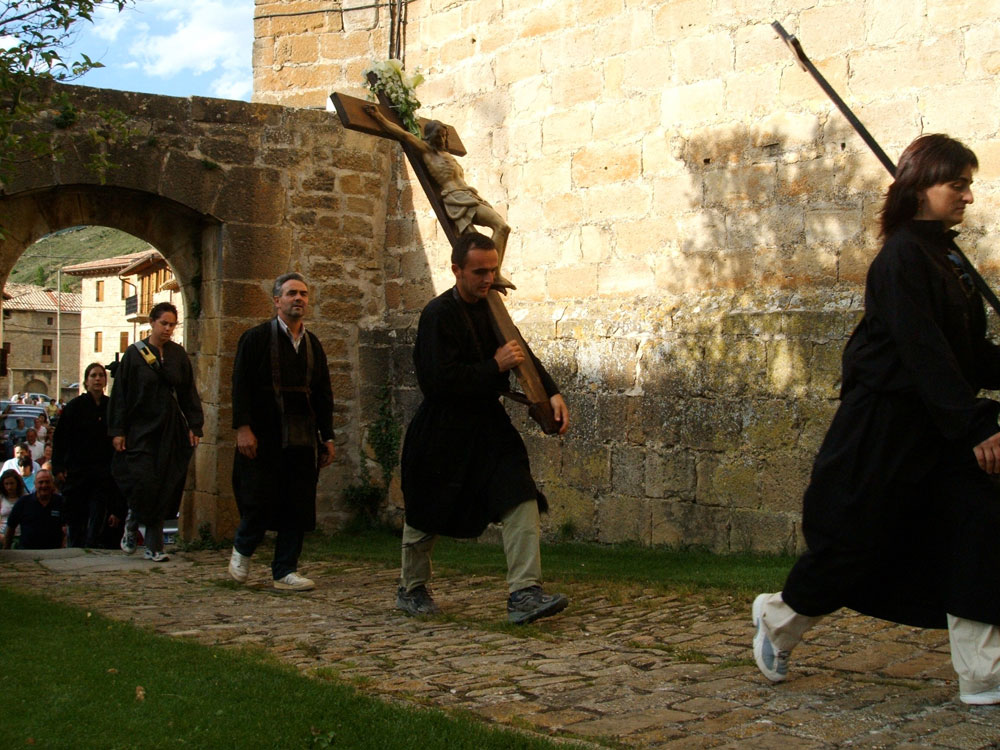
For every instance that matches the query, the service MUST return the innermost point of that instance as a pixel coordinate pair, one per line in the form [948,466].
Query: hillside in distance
[40,262]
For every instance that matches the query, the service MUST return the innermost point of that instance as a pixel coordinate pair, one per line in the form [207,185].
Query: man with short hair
[35,446]
[23,464]
[39,514]
[283,417]
[464,464]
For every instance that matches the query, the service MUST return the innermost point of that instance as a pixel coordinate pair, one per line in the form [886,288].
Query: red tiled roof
[31,298]
[109,266]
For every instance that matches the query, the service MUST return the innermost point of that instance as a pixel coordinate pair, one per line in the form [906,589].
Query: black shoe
[418,601]
[530,604]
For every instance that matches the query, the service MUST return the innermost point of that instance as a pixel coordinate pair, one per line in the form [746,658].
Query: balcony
[132,310]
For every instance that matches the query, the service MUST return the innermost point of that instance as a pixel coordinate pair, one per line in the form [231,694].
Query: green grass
[70,680]
[577,562]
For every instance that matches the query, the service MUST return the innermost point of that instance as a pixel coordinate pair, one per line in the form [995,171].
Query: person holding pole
[902,513]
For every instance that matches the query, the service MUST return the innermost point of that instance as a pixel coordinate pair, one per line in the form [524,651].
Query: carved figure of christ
[437,170]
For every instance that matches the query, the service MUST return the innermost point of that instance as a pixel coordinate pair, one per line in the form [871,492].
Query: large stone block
[628,470]
[784,478]
[762,532]
[670,473]
[683,524]
[692,104]
[257,190]
[623,518]
[570,510]
[729,480]
[680,18]
[566,130]
[600,164]
[918,64]
[619,121]
[770,425]
[586,465]
[255,252]
[700,58]
[544,451]
[575,282]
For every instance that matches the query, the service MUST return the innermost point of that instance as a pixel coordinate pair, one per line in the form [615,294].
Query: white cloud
[108,22]
[205,37]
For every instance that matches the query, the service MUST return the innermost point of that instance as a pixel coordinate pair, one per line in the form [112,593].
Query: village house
[41,338]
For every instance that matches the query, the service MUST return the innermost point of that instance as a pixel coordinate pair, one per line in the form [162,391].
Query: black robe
[463,465]
[81,448]
[900,521]
[279,485]
[143,408]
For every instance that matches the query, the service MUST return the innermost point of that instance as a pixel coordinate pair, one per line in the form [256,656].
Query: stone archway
[184,236]
[232,194]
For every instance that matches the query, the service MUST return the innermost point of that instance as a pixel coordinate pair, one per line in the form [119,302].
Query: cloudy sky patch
[174,47]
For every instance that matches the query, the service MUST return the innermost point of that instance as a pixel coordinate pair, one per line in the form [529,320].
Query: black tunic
[280,483]
[143,408]
[81,447]
[900,521]
[463,465]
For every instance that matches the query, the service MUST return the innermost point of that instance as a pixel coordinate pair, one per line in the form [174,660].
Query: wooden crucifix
[465,204]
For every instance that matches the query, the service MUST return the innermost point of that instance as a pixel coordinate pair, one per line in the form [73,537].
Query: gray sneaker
[530,604]
[128,541]
[417,601]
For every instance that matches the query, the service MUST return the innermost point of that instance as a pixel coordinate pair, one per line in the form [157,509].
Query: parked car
[25,410]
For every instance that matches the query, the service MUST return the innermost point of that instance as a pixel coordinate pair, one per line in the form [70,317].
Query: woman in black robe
[155,421]
[902,513]
[81,461]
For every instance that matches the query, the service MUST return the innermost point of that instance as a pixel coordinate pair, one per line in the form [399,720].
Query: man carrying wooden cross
[464,464]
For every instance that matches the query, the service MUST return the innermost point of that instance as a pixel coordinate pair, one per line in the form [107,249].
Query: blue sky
[173,47]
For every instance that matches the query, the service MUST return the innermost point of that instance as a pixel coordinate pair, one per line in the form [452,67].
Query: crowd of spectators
[36,499]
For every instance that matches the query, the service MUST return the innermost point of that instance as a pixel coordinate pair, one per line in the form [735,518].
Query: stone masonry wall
[692,220]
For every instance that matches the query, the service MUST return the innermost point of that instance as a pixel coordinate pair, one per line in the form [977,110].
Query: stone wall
[691,217]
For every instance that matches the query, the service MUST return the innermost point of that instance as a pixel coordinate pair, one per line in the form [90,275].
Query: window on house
[127,289]
[97,341]
[46,350]
[100,292]
[50,320]
[123,341]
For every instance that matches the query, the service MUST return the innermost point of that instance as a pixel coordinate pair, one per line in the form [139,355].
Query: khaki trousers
[521,538]
[975,646]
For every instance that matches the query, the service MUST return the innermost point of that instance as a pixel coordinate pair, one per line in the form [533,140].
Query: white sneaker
[239,566]
[985,698]
[294,582]
[158,556]
[772,663]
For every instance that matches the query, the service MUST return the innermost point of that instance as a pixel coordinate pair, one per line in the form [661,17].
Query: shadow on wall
[697,413]
[778,215]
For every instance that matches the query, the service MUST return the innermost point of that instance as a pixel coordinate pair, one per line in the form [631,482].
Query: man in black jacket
[464,464]
[283,417]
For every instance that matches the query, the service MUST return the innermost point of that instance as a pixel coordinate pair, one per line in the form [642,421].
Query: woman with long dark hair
[155,421]
[902,513]
[81,461]
[12,489]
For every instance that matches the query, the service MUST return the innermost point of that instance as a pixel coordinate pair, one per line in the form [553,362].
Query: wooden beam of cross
[355,114]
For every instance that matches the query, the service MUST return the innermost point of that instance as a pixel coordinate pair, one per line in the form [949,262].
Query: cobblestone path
[628,668]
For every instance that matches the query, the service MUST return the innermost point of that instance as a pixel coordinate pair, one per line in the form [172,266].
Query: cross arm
[351,111]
